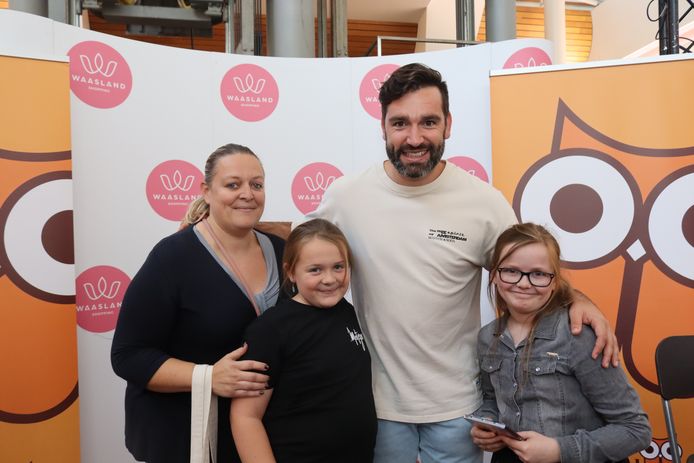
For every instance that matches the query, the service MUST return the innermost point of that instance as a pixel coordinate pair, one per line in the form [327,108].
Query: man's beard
[417,170]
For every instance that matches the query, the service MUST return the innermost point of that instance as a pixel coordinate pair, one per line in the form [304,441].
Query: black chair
[673,364]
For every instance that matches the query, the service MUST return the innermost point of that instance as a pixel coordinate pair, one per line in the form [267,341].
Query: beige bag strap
[203,417]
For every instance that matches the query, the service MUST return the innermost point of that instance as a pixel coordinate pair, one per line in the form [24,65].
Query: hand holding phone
[493,426]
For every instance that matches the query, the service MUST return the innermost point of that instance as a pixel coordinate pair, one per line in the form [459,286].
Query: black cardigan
[180,304]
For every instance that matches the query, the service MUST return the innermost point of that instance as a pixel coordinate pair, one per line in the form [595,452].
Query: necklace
[229,262]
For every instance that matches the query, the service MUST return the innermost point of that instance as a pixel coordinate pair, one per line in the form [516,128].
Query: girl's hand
[233,378]
[535,449]
[486,440]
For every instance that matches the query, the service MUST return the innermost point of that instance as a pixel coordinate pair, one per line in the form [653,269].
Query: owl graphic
[659,451]
[39,413]
[609,169]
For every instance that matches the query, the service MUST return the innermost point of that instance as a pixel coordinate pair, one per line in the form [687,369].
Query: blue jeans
[441,442]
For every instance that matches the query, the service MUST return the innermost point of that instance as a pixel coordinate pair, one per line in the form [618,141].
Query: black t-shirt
[322,407]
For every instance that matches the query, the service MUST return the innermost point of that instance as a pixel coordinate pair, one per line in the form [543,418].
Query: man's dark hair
[410,78]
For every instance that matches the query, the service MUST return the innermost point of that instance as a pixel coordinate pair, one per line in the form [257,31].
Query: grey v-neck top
[268,296]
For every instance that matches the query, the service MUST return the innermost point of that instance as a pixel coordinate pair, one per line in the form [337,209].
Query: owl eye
[587,198]
[651,452]
[37,250]
[666,451]
[670,224]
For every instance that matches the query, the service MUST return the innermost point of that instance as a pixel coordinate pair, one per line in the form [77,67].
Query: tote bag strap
[203,417]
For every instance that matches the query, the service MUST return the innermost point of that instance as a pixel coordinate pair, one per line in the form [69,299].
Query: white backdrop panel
[25,35]
[175,111]
[310,123]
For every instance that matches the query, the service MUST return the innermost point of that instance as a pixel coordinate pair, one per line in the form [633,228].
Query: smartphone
[494,426]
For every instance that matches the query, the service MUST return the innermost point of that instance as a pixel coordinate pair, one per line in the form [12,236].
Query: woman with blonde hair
[189,305]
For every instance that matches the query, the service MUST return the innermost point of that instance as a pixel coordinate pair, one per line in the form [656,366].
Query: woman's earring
[294,290]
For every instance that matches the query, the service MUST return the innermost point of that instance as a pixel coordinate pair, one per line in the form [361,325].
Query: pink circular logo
[99,75]
[371,84]
[249,92]
[172,186]
[528,57]
[310,183]
[99,295]
[470,166]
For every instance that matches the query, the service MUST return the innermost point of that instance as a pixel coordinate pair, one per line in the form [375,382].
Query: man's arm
[584,312]
[280,229]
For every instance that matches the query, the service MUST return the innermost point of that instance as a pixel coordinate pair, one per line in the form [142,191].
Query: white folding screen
[144,119]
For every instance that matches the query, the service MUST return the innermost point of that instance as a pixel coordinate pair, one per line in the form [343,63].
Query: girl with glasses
[539,379]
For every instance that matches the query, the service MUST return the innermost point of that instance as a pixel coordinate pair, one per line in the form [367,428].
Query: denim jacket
[593,412]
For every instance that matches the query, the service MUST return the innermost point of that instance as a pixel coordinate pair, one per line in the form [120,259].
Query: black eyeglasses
[536,278]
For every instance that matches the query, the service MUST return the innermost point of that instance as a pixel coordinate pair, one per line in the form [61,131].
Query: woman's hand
[233,378]
[536,448]
[486,440]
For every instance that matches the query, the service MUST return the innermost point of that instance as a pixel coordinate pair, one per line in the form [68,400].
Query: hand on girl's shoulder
[275,229]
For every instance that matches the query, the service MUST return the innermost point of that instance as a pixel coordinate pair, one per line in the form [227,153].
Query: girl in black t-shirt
[319,406]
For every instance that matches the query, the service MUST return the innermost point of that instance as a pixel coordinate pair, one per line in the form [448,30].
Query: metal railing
[380,38]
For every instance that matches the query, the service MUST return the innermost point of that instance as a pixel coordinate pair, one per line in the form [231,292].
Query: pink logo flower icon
[527,58]
[310,183]
[319,182]
[171,187]
[471,166]
[99,296]
[378,83]
[98,66]
[370,86]
[177,183]
[102,289]
[249,84]
[99,75]
[249,92]
[531,63]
